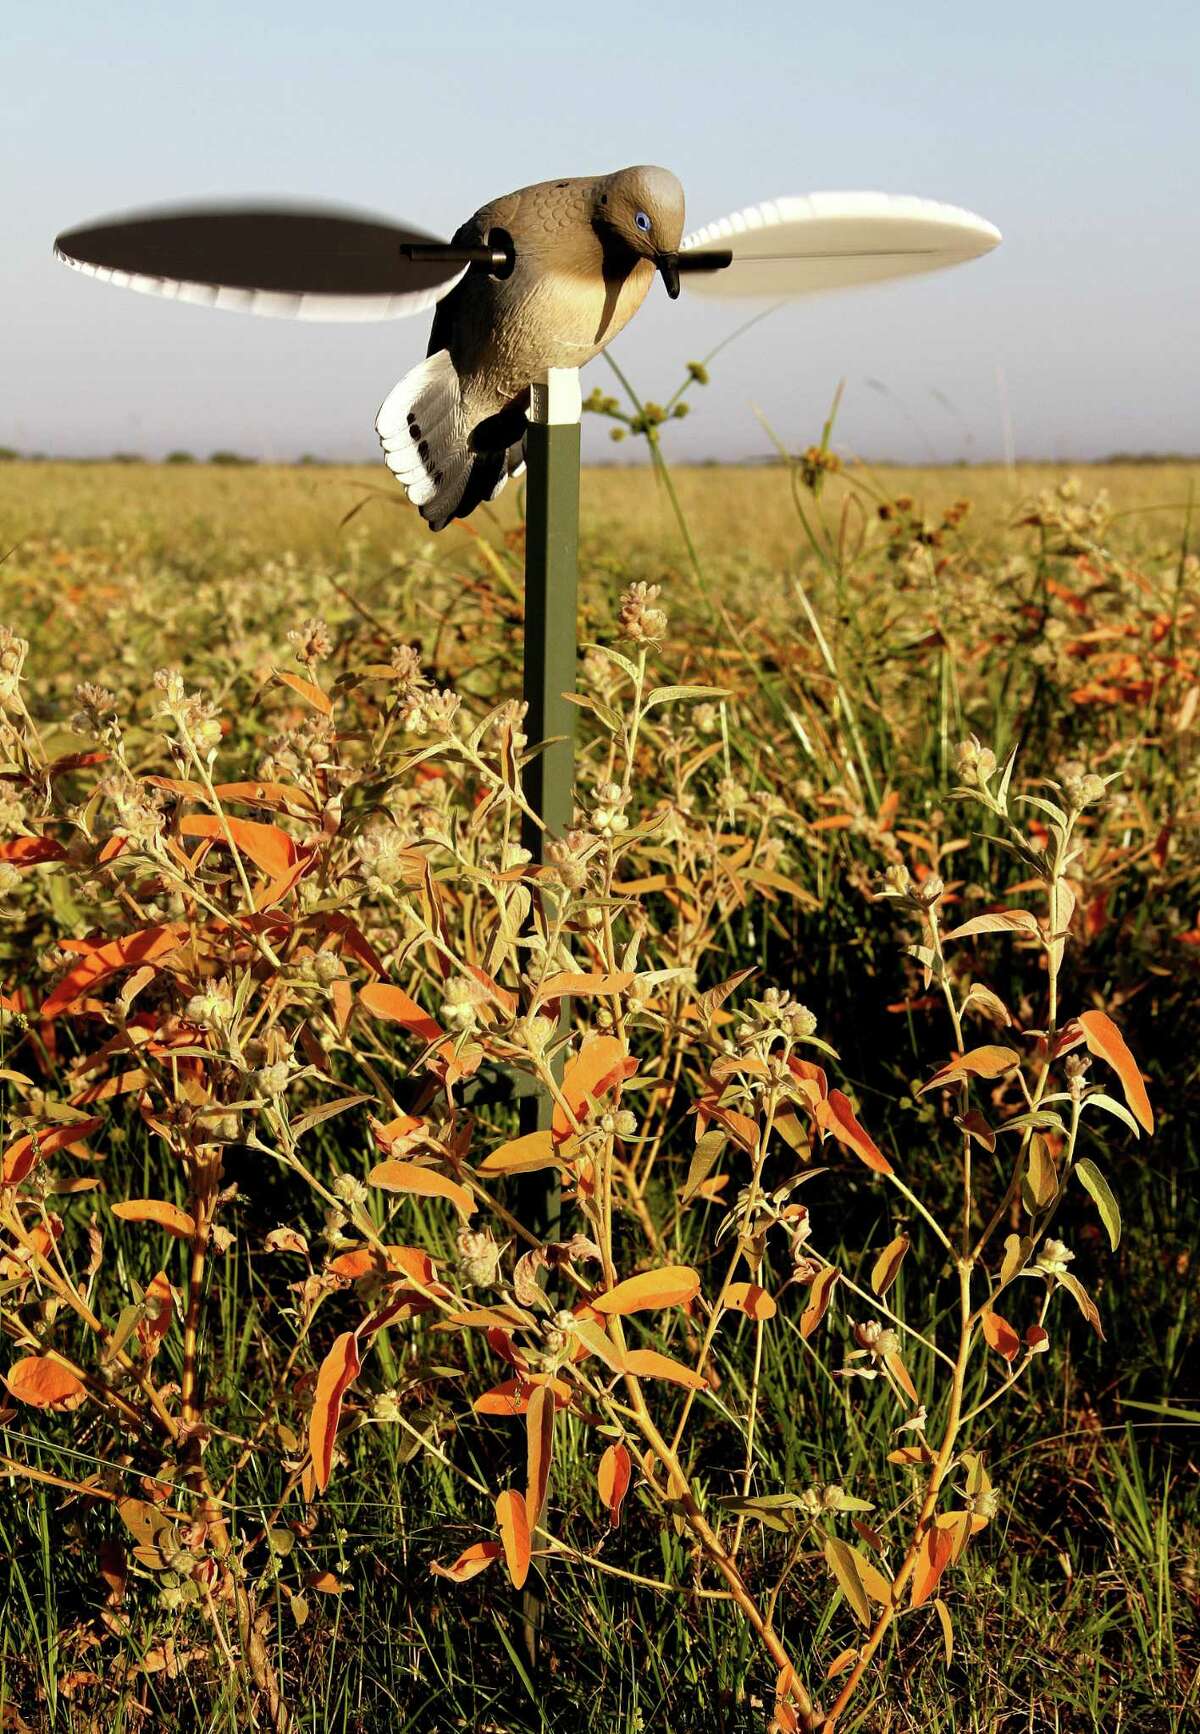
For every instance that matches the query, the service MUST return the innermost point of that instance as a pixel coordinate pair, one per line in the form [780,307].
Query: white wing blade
[803,246]
[271,304]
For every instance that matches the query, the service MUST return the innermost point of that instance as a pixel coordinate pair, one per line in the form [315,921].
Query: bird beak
[668,266]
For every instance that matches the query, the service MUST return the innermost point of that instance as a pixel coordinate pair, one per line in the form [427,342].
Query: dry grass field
[264,919]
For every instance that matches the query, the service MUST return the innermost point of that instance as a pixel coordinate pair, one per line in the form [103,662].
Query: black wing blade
[288,261]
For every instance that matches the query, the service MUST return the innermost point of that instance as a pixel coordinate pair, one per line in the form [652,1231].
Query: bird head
[643,207]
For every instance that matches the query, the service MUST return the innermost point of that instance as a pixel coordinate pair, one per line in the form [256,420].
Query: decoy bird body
[583,255]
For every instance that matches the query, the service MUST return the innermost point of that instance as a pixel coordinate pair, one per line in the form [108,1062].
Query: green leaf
[1098,1099]
[1186,1417]
[327,1110]
[843,1564]
[622,662]
[131,1317]
[1082,1299]
[1047,807]
[587,701]
[670,694]
[947,1625]
[705,1157]
[842,1501]
[773,1511]
[600,1344]
[1016,1253]
[1040,1185]
[1038,1118]
[1006,777]
[1095,1183]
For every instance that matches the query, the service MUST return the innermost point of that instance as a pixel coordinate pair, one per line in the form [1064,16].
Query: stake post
[551,604]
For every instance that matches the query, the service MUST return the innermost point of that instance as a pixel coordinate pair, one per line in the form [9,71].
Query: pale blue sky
[1072,126]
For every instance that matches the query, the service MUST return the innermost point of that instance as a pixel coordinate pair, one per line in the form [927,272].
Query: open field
[855,626]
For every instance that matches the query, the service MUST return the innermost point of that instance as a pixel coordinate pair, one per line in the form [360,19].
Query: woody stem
[937,1476]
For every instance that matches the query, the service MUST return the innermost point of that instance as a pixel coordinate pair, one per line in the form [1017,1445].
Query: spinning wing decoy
[541,278]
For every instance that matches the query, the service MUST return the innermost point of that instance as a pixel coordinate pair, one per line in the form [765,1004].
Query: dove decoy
[537,280]
[581,256]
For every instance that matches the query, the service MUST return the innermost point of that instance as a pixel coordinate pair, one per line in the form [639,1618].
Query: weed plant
[840,1396]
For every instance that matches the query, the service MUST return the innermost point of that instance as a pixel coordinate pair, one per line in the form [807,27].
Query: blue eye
[643,222]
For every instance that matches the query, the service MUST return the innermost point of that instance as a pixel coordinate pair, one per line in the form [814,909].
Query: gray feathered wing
[447,459]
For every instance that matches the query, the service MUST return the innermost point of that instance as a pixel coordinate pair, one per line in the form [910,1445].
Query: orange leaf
[163,1215]
[612,1477]
[843,1660]
[338,1369]
[999,1335]
[159,1312]
[901,1375]
[512,1397]
[386,1001]
[810,1075]
[581,983]
[469,1563]
[934,1555]
[352,943]
[522,1155]
[260,794]
[103,960]
[649,1364]
[539,1426]
[509,1398]
[887,1266]
[34,1245]
[514,1535]
[1105,1040]
[278,887]
[486,1318]
[29,851]
[601,1063]
[373,1261]
[27,1152]
[401,1127]
[396,1176]
[988,1061]
[667,1287]
[749,1298]
[342,996]
[270,849]
[741,1127]
[256,793]
[819,1295]
[44,1383]
[837,1116]
[310,693]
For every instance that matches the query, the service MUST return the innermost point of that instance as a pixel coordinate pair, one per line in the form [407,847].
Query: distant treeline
[308,460]
[231,460]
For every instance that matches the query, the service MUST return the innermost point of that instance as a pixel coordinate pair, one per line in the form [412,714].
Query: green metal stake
[551,601]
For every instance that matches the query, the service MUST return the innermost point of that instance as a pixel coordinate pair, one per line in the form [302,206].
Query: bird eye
[643,222]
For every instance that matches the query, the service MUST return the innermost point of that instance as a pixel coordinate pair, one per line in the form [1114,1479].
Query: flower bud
[478,1256]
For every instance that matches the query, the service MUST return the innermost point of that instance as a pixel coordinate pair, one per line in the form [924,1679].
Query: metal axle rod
[499,258]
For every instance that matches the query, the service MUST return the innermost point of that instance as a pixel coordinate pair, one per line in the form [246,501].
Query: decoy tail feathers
[446,466]
[422,428]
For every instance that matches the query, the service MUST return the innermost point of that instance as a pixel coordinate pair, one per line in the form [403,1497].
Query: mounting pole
[551,602]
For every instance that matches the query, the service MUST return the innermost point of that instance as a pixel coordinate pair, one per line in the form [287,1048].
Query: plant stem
[937,1476]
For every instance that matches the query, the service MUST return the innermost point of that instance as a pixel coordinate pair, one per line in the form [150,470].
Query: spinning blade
[801,246]
[292,262]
